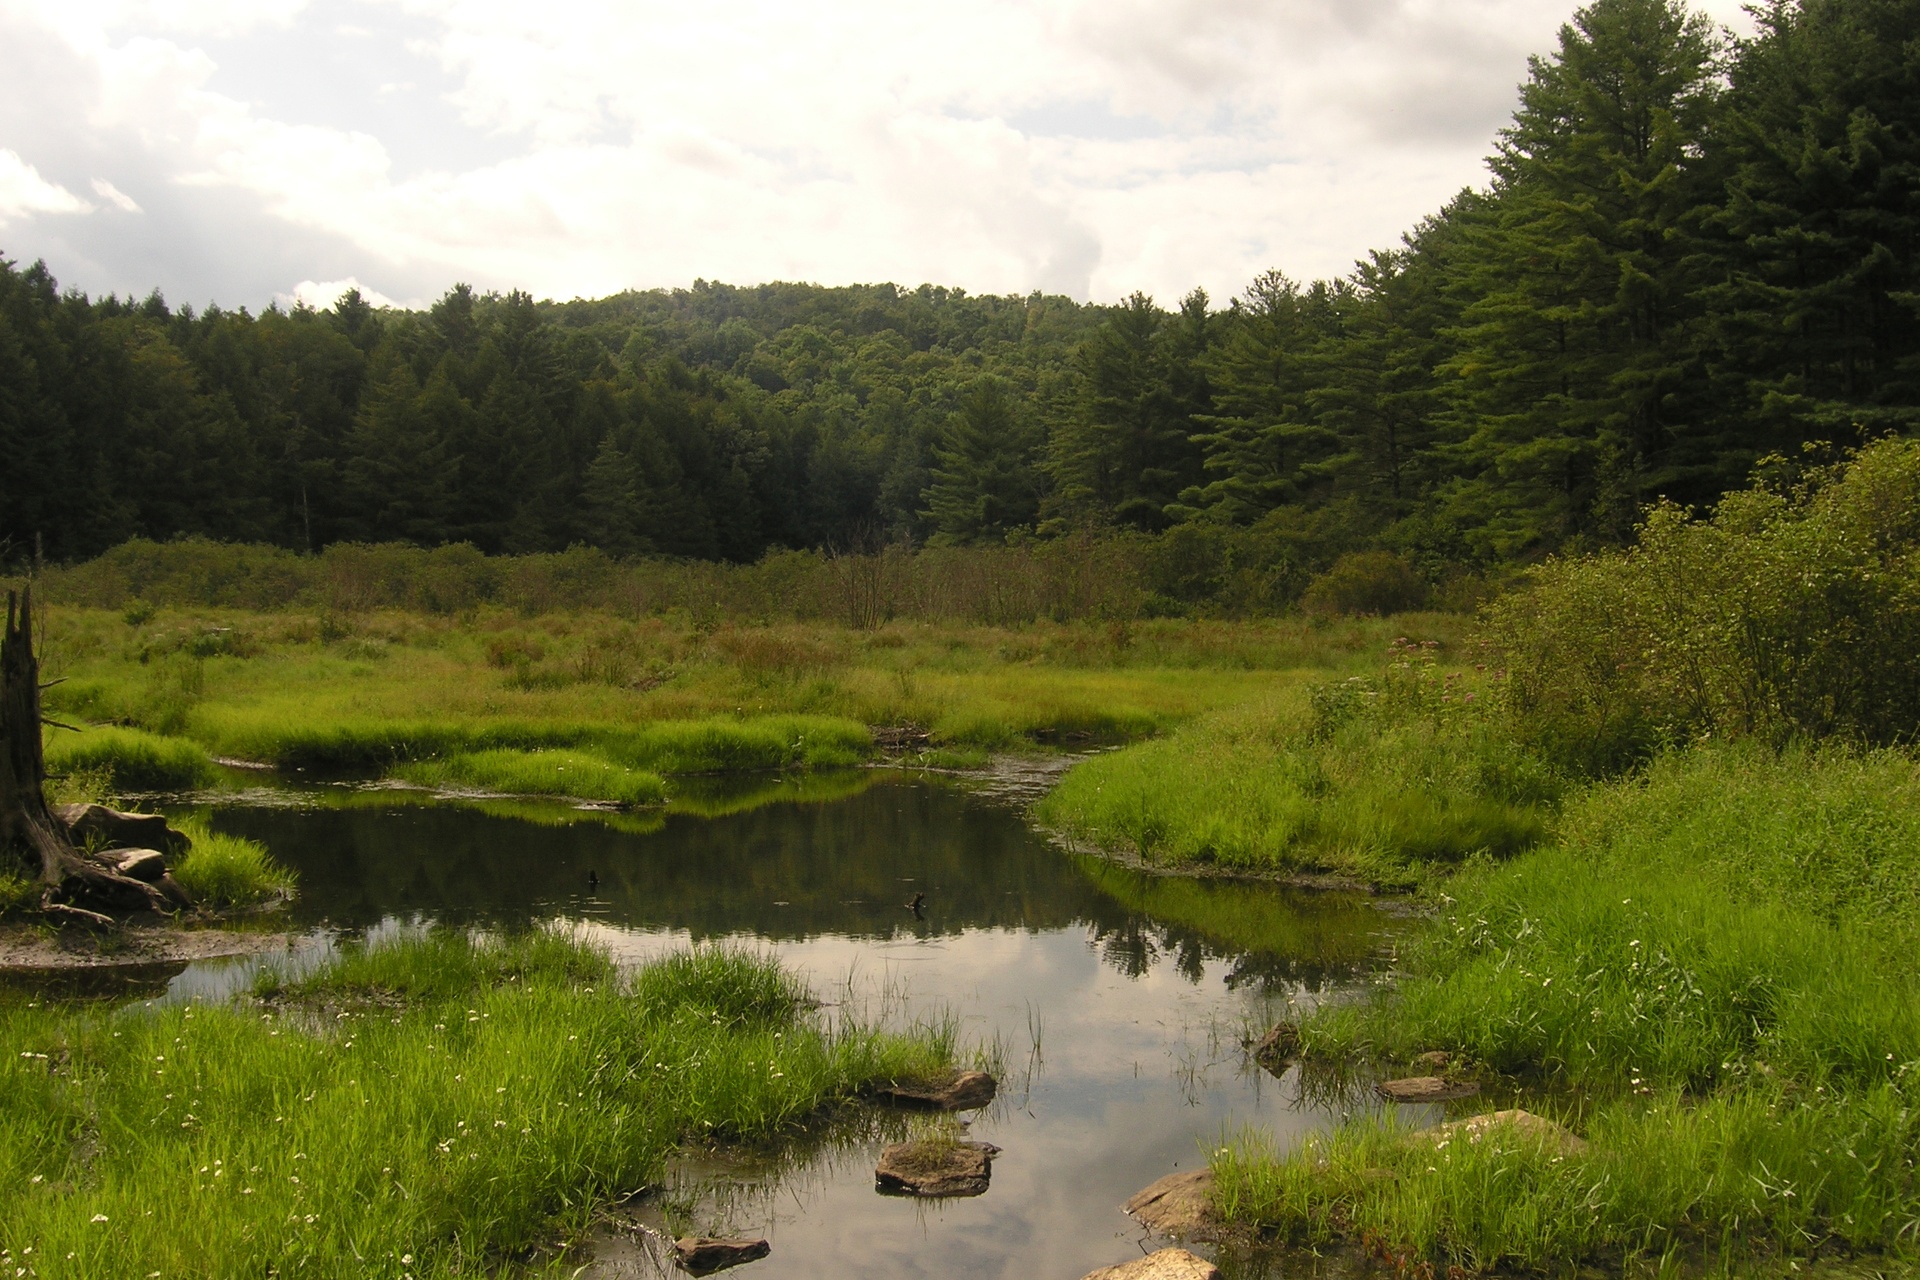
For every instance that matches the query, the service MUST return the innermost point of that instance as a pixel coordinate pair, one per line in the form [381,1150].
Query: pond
[1119,1001]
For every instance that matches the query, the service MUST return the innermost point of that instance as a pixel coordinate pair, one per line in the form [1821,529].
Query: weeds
[224,871]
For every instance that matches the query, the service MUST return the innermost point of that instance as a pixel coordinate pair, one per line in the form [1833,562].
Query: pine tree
[1579,350]
[984,483]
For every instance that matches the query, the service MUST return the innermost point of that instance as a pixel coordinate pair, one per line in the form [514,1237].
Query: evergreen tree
[984,484]
[1578,360]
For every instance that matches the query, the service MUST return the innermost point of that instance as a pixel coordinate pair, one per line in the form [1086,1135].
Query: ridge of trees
[1695,252]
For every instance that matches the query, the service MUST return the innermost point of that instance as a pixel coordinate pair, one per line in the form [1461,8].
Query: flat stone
[1523,1125]
[935,1169]
[1167,1264]
[1179,1205]
[964,1091]
[1278,1048]
[149,865]
[106,828]
[1426,1089]
[704,1255]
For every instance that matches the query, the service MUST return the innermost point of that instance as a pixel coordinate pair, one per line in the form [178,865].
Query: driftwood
[79,885]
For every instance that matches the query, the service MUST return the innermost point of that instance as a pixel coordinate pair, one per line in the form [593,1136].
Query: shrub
[1793,612]
[1377,582]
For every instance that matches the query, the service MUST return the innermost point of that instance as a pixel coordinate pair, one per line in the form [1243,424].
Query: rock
[1167,1264]
[931,1168]
[149,865]
[1520,1124]
[1426,1089]
[964,1091]
[97,825]
[1278,1048]
[1437,1059]
[704,1255]
[1180,1205]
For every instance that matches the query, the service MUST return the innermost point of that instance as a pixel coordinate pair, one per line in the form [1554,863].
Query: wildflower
[99,1217]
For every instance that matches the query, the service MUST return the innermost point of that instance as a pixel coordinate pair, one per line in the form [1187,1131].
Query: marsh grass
[692,699]
[130,759]
[482,1109]
[1280,786]
[223,871]
[1762,1173]
[1716,957]
[552,773]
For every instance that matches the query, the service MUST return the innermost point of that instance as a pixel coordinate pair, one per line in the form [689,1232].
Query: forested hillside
[1692,254]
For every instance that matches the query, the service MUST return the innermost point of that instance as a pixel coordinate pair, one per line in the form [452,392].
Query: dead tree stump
[77,885]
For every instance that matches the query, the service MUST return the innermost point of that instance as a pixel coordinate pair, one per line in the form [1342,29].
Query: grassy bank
[1382,778]
[437,1107]
[1712,968]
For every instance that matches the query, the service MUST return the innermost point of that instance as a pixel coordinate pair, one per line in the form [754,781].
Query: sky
[252,151]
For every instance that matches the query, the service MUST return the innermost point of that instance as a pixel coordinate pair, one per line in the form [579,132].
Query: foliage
[1793,612]
[549,773]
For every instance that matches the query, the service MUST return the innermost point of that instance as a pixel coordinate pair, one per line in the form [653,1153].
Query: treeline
[1692,255]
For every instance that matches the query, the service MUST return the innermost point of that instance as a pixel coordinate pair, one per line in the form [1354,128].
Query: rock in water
[704,1255]
[1523,1125]
[1426,1089]
[97,825]
[1278,1048]
[1179,1205]
[965,1091]
[1167,1264]
[140,864]
[932,1168]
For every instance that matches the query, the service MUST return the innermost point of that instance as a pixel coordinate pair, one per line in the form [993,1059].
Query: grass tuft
[223,871]
[540,773]
[132,759]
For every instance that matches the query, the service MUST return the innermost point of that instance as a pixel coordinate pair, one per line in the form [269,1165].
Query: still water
[1119,1001]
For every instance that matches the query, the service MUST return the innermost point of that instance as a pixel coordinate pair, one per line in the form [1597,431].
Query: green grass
[1714,964]
[1272,787]
[435,1108]
[539,773]
[224,871]
[132,759]
[357,695]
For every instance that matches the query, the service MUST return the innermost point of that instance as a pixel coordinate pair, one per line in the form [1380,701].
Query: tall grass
[439,1107]
[223,871]
[131,759]
[1716,959]
[1300,783]
[551,773]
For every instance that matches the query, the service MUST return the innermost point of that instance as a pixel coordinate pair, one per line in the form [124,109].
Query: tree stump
[77,885]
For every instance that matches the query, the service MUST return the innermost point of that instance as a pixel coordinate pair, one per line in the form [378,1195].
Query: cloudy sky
[243,150]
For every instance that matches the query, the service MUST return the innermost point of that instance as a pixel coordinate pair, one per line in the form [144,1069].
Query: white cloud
[114,196]
[1085,146]
[323,295]
[23,192]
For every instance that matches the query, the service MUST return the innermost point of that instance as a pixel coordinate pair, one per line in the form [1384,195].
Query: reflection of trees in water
[1134,944]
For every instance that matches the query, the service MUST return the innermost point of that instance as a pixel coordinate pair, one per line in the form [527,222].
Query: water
[1120,1001]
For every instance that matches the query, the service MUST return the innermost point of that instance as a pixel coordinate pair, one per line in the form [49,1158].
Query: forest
[1695,253]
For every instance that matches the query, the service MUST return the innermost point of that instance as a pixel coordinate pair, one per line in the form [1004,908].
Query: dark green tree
[985,483]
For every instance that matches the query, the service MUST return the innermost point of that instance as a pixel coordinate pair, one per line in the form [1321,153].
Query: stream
[1119,1002]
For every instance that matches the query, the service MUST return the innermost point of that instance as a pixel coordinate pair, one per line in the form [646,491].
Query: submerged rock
[1179,1205]
[1167,1264]
[929,1167]
[1278,1048]
[1426,1089]
[1523,1125]
[101,827]
[704,1255]
[963,1091]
